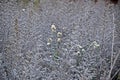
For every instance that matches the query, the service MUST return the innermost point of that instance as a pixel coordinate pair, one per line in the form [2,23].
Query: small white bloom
[78,52]
[59,40]
[48,43]
[64,28]
[23,9]
[95,44]
[79,46]
[50,40]
[53,28]
[83,50]
[59,34]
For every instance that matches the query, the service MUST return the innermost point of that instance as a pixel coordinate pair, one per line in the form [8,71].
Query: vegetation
[80,45]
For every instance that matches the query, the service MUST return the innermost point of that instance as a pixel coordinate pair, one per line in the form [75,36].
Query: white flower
[95,44]
[23,9]
[59,40]
[59,34]
[79,46]
[83,50]
[53,28]
[48,43]
[78,52]
[50,40]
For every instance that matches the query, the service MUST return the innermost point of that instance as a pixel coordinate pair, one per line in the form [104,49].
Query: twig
[113,38]
[114,64]
[115,73]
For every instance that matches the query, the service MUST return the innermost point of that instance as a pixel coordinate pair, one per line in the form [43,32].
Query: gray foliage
[82,52]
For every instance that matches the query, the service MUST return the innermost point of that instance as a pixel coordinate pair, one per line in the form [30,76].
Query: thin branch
[114,64]
[113,39]
[115,73]
[115,59]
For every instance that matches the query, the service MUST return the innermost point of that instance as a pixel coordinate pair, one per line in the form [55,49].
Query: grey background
[26,27]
